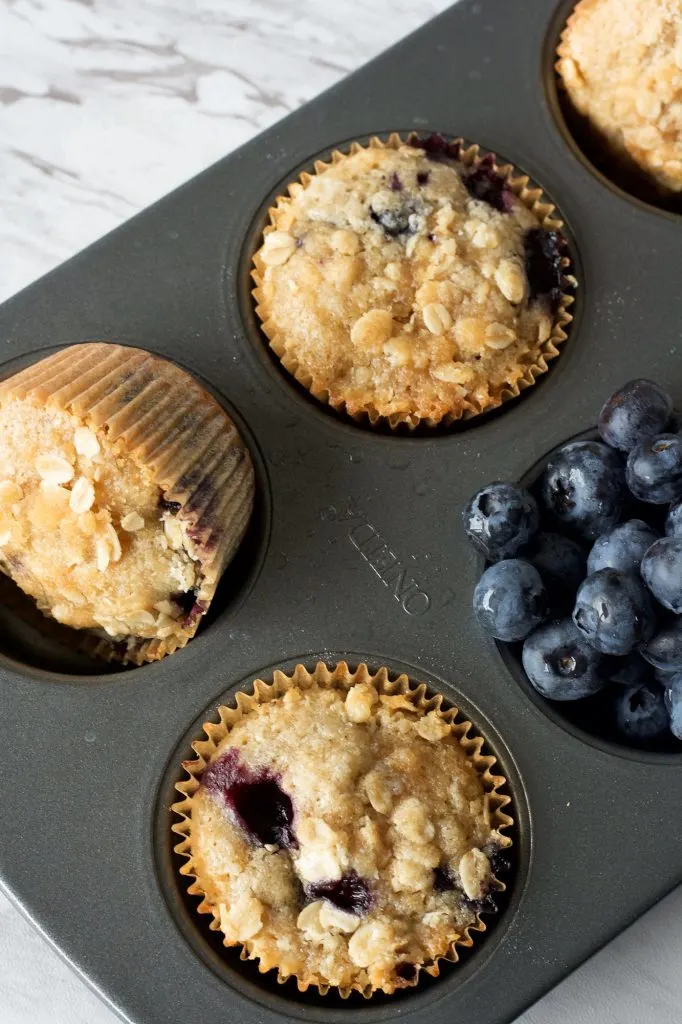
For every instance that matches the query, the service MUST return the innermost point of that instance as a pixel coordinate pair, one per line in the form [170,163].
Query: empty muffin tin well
[363,552]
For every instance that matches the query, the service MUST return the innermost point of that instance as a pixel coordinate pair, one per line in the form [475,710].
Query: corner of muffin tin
[105,753]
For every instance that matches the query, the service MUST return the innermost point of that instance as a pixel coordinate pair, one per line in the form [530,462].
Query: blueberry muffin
[621,65]
[412,281]
[124,491]
[342,830]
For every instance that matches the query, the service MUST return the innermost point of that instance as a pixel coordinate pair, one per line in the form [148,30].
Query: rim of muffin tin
[248,559]
[243,975]
[238,288]
[559,105]
[510,655]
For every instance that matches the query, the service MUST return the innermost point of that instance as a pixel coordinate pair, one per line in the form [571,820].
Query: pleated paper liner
[342,678]
[471,157]
[156,415]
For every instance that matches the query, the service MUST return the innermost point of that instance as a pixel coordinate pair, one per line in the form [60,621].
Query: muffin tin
[92,755]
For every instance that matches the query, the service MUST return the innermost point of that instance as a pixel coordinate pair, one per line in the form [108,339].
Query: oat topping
[82,531]
[621,64]
[398,282]
[343,837]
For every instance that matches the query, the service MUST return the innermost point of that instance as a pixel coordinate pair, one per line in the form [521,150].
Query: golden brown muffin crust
[621,65]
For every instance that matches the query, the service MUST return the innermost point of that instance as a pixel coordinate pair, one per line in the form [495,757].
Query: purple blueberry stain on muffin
[544,252]
[351,893]
[255,798]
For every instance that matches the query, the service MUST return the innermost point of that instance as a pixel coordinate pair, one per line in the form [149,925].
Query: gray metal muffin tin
[356,551]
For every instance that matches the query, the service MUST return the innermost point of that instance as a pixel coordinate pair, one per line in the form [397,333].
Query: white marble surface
[105,105]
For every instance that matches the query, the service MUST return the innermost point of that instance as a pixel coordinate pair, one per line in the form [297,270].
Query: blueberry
[630,670]
[637,412]
[395,215]
[664,650]
[614,611]
[437,147]
[255,797]
[662,572]
[560,664]
[561,563]
[544,252]
[641,714]
[583,488]
[489,187]
[654,470]
[622,548]
[499,519]
[510,599]
[350,893]
[674,705]
[673,523]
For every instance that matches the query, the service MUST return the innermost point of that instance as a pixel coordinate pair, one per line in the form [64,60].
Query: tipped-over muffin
[342,836]
[409,281]
[124,491]
[621,65]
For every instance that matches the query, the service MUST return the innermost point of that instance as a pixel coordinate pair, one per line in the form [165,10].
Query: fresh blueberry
[561,563]
[510,599]
[641,715]
[350,893]
[583,488]
[622,548]
[614,611]
[673,695]
[544,252]
[673,523]
[500,519]
[654,470]
[637,412]
[662,572]
[255,797]
[630,670]
[560,664]
[664,650]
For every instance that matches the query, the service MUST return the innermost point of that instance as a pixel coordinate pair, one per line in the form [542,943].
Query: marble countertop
[105,105]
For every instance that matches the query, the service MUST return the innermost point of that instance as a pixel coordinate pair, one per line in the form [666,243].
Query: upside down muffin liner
[472,157]
[340,677]
[158,416]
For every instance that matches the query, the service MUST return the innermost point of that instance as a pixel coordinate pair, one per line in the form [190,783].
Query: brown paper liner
[470,156]
[155,414]
[342,678]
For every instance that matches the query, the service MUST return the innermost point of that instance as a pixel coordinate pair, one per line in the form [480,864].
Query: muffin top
[342,836]
[621,64]
[402,283]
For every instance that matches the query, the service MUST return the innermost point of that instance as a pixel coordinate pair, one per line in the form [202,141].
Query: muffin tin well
[244,974]
[625,179]
[359,555]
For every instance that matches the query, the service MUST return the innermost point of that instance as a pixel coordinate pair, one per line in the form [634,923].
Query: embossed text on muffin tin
[380,557]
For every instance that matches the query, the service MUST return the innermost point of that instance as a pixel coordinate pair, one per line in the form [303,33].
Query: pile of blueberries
[585,569]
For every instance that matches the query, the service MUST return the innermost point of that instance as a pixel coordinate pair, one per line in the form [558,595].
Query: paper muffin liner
[340,677]
[471,156]
[158,416]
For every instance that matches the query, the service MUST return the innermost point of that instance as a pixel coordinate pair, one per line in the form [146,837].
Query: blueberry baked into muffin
[413,281]
[342,829]
[124,491]
[621,65]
